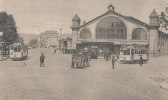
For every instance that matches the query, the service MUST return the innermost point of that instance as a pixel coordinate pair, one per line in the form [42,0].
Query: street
[26,80]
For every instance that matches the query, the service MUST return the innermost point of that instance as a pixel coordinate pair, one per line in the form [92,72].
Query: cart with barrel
[80,59]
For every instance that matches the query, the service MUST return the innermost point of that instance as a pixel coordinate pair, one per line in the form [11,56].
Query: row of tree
[163,20]
[9,29]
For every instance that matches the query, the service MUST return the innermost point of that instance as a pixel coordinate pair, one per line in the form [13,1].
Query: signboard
[1,33]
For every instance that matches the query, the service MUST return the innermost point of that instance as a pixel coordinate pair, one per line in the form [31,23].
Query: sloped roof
[132,19]
[153,14]
[76,18]
[66,36]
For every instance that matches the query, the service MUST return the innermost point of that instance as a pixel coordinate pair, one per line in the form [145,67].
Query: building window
[111,28]
[85,34]
[139,34]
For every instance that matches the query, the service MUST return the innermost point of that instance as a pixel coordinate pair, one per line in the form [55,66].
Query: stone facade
[49,39]
[114,25]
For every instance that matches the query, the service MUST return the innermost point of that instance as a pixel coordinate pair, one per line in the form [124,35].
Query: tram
[18,51]
[131,54]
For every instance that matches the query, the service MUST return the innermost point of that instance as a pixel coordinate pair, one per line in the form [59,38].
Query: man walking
[141,60]
[113,61]
[42,57]
[55,51]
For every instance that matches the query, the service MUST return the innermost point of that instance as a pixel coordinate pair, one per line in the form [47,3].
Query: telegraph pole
[60,32]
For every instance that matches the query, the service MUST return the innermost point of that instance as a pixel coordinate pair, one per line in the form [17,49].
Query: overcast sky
[35,16]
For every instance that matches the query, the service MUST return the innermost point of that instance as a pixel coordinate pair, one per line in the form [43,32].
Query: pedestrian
[113,61]
[106,57]
[141,60]
[42,57]
[55,51]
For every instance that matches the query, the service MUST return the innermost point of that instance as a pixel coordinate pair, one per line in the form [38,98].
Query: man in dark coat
[42,57]
[141,60]
[113,61]
[55,51]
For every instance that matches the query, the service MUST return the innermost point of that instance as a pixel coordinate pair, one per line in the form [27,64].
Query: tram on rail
[131,54]
[18,51]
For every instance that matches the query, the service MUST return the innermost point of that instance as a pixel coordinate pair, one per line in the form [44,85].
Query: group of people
[42,58]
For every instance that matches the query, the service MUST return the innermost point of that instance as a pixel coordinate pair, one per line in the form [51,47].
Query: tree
[163,20]
[8,27]
[33,43]
[21,40]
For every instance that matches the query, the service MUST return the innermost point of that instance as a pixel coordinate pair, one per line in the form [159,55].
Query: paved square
[26,80]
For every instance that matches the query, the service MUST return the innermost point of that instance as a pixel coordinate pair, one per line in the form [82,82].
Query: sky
[36,16]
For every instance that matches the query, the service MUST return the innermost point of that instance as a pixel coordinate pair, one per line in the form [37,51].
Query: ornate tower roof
[76,18]
[153,14]
[111,7]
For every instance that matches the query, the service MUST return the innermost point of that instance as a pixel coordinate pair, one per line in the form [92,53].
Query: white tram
[131,54]
[18,51]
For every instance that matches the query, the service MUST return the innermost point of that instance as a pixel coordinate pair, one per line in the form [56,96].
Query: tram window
[132,51]
[19,48]
[11,47]
[139,51]
[125,52]
[136,52]
[143,51]
[128,51]
[15,49]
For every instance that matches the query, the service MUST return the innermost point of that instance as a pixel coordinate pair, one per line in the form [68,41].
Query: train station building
[111,30]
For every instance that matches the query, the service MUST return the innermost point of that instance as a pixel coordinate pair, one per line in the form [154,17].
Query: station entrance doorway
[100,50]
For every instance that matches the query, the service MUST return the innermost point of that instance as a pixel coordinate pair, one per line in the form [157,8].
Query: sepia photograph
[83,49]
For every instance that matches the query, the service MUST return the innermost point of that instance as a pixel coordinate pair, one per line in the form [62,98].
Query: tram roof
[17,44]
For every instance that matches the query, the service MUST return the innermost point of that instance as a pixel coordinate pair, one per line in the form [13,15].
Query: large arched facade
[139,34]
[85,34]
[111,28]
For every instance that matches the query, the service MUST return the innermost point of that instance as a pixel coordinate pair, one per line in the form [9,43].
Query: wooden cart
[80,60]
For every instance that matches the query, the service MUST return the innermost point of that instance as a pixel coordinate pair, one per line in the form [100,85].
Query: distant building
[111,30]
[65,43]
[49,39]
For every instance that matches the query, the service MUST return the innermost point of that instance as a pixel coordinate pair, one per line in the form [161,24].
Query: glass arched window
[111,28]
[139,34]
[85,34]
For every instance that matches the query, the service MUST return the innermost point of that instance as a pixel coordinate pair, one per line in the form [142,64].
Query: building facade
[65,43]
[111,30]
[49,39]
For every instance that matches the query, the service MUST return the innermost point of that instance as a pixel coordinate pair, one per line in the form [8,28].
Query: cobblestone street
[25,80]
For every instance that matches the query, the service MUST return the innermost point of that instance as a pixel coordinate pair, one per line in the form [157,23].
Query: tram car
[131,54]
[80,59]
[18,51]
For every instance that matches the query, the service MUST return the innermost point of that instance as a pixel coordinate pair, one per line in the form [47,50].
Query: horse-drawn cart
[80,60]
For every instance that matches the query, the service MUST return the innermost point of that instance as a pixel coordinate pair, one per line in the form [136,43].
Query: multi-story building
[65,43]
[49,39]
[111,30]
